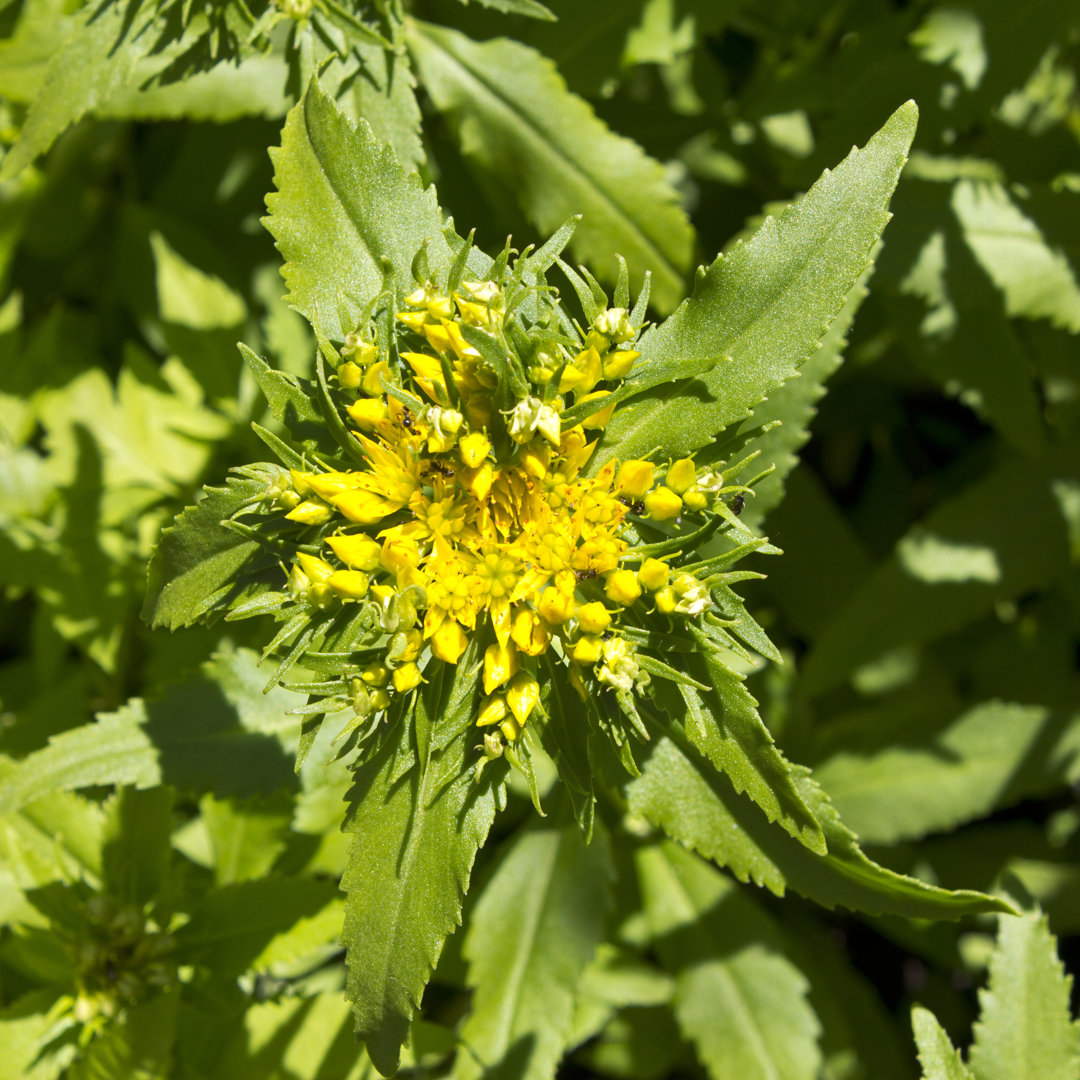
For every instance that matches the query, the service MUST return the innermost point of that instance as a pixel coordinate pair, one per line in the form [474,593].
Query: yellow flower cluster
[470,519]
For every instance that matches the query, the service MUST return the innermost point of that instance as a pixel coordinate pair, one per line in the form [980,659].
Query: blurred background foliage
[928,601]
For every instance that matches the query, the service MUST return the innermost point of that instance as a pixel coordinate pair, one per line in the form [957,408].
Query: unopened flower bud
[663,504]
[654,574]
[522,695]
[406,678]
[634,478]
[622,587]
[681,476]
[500,663]
[357,551]
[449,641]
[474,449]
[614,324]
[593,618]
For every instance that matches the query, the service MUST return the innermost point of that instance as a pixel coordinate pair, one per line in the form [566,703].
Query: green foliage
[743,1008]
[761,310]
[414,841]
[215,863]
[1024,1028]
[548,887]
[516,120]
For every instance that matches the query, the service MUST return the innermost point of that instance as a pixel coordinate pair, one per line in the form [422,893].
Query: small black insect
[443,470]
[737,504]
[406,419]
[585,575]
[637,507]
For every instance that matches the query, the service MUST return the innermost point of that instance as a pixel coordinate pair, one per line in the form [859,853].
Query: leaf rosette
[505,524]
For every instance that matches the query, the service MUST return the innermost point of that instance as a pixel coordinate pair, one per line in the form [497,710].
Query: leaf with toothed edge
[346,217]
[700,808]
[414,841]
[939,1059]
[1024,1031]
[194,569]
[762,309]
[725,727]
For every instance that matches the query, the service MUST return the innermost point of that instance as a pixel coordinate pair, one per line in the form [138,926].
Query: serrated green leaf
[763,308]
[56,837]
[193,571]
[939,1059]
[255,86]
[343,209]
[413,849]
[535,927]
[700,809]
[724,725]
[546,146]
[217,731]
[101,53]
[738,999]
[1024,1031]
[384,93]
[289,403]
[899,778]
[792,407]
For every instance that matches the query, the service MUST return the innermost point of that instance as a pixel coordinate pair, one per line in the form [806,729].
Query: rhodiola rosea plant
[502,527]
[483,583]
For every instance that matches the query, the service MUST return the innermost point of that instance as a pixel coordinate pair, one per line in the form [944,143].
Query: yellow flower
[528,633]
[474,449]
[317,570]
[449,642]
[622,587]
[367,413]
[375,675]
[663,504]
[357,551]
[617,365]
[588,649]
[681,476]
[492,711]
[310,513]
[555,607]
[473,522]
[593,618]
[653,574]
[599,419]
[407,677]
[349,584]
[634,478]
[522,695]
